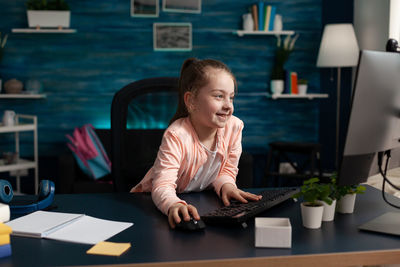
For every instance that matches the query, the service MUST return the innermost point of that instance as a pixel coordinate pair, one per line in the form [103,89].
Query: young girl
[202,146]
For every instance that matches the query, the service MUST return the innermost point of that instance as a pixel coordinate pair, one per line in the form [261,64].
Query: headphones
[44,200]
[392,46]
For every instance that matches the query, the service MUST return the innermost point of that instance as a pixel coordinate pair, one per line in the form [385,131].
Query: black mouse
[191,225]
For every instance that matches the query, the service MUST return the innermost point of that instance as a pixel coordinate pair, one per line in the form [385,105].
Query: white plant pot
[346,204]
[311,216]
[329,211]
[48,18]
[277,87]
[302,89]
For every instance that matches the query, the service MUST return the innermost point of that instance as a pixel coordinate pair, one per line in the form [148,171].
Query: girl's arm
[225,184]
[230,168]
[165,172]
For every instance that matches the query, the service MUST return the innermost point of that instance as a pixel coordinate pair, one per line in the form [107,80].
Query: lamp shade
[339,46]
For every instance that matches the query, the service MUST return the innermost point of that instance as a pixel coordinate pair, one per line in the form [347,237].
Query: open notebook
[70,227]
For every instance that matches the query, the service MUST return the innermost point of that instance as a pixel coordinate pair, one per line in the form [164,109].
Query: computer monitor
[374,123]
[374,128]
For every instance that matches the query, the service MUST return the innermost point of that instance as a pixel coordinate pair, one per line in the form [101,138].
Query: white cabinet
[24,123]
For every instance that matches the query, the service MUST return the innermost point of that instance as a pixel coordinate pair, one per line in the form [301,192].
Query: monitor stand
[387,223]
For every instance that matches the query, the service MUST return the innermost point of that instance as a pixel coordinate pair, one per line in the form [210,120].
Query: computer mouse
[191,225]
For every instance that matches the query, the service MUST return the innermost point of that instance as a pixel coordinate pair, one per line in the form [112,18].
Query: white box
[273,232]
[48,18]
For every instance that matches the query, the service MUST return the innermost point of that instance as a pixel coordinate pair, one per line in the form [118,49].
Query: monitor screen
[374,123]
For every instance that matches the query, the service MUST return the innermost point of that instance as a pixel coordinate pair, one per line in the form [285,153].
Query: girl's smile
[212,107]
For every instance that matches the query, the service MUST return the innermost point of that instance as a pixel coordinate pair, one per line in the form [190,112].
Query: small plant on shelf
[302,81]
[282,53]
[47,5]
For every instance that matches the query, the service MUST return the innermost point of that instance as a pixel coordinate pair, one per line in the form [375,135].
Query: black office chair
[134,108]
[140,112]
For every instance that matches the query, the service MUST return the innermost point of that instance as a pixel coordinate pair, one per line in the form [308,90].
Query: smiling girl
[202,146]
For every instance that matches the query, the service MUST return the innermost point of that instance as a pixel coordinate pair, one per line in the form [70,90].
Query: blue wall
[81,72]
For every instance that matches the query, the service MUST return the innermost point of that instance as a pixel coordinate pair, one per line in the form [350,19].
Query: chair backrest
[137,127]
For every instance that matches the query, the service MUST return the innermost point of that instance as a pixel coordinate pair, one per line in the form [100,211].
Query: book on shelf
[293,83]
[267,15]
[287,87]
[69,227]
[271,18]
[261,15]
[254,13]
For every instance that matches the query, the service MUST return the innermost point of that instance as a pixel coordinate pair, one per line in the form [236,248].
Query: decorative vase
[277,87]
[13,86]
[346,204]
[302,89]
[248,23]
[311,216]
[329,211]
[278,26]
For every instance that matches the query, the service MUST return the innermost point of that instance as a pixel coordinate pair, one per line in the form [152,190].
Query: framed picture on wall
[184,6]
[172,36]
[144,8]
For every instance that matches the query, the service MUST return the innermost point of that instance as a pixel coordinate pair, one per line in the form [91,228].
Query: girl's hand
[229,191]
[185,211]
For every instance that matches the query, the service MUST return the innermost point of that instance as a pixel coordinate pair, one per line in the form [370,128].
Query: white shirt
[207,173]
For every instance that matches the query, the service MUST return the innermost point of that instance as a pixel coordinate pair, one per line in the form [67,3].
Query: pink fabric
[181,155]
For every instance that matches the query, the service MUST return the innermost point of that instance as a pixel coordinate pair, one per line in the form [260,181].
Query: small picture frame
[183,6]
[144,8]
[172,36]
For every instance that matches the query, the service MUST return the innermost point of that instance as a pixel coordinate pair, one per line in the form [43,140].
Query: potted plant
[329,209]
[312,209]
[283,50]
[302,84]
[48,13]
[347,197]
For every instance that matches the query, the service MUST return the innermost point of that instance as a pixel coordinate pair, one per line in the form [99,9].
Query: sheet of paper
[39,223]
[89,230]
[109,248]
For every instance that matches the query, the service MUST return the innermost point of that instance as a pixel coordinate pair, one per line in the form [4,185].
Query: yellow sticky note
[4,239]
[109,248]
[5,229]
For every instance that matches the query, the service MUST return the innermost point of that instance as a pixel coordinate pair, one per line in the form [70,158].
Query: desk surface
[153,241]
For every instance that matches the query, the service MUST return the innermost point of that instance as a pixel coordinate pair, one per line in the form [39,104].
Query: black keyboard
[238,213]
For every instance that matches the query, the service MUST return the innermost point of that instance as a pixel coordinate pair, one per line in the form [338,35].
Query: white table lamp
[338,49]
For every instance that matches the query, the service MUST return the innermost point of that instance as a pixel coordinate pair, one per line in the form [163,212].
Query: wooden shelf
[241,33]
[24,96]
[31,30]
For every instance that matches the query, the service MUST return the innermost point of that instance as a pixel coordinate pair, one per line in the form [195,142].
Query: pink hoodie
[181,155]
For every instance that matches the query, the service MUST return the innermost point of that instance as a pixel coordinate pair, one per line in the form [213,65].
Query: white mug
[9,118]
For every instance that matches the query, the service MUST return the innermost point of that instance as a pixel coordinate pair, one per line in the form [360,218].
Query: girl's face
[212,106]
